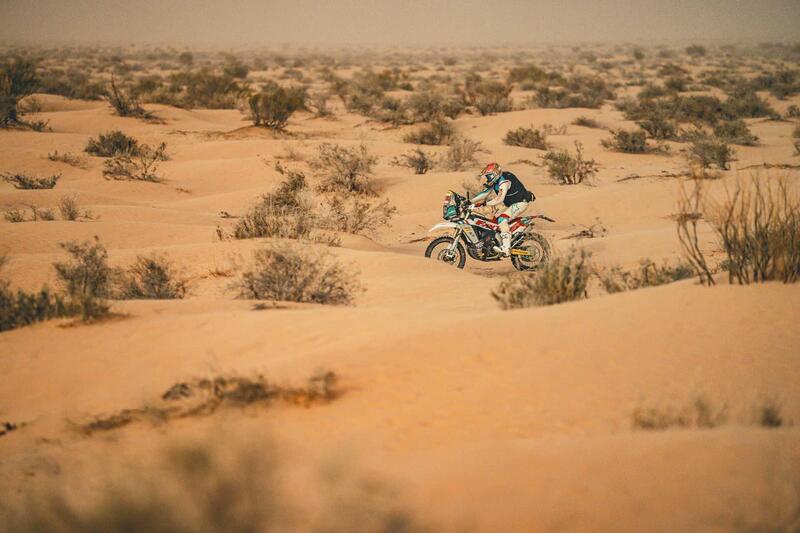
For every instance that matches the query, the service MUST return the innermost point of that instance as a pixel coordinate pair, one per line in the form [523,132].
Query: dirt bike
[477,236]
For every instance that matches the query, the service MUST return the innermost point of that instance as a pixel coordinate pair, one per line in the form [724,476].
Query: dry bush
[649,274]
[284,272]
[710,152]
[344,170]
[86,279]
[629,142]
[24,181]
[125,105]
[152,277]
[17,80]
[569,169]
[461,154]
[201,89]
[735,132]
[42,214]
[68,207]
[318,102]
[20,308]
[274,105]
[417,160]
[527,138]
[587,122]
[429,103]
[14,216]
[659,126]
[439,131]
[758,225]
[768,413]
[488,97]
[141,165]
[68,158]
[111,143]
[700,413]
[356,215]
[696,50]
[561,280]
[688,217]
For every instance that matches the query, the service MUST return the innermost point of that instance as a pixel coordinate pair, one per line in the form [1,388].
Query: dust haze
[405,22]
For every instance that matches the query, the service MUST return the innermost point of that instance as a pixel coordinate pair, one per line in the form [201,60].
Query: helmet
[491,174]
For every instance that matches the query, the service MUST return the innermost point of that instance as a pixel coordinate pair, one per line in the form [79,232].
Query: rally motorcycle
[477,236]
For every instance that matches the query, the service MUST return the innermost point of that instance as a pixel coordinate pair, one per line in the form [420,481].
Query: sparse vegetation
[111,144]
[461,154]
[417,160]
[488,97]
[630,142]
[735,132]
[14,216]
[700,413]
[284,272]
[587,122]
[125,105]
[17,80]
[710,152]
[274,105]
[355,214]
[563,279]
[569,169]
[439,131]
[527,138]
[86,279]
[68,207]
[648,274]
[151,277]
[68,158]
[344,170]
[19,308]
[688,217]
[141,165]
[24,181]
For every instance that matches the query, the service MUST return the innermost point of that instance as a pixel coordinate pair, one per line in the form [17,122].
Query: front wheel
[440,249]
[535,252]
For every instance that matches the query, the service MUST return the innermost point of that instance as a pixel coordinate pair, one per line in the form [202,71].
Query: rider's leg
[503,218]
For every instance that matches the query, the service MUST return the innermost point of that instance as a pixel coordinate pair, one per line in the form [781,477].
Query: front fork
[456,237]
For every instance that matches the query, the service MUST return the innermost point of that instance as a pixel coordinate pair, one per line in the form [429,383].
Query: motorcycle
[476,235]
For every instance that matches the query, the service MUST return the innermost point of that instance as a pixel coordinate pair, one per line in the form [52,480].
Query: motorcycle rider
[511,193]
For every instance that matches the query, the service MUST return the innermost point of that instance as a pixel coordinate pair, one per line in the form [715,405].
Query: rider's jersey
[516,192]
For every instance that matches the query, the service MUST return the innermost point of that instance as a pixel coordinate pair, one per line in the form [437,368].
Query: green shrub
[151,277]
[273,107]
[141,165]
[17,80]
[630,142]
[439,131]
[649,274]
[659,126]
[746,104]
[111,143]
[710,151]
[735,132]
[290,273]
[86,279]
[561,280]
[344,170]
[526,138]
[24,181]
[569,169]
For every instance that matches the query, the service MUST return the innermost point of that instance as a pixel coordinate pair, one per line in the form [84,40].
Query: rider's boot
[505,248]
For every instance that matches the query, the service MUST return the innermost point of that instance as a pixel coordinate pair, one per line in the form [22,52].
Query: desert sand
[481,419]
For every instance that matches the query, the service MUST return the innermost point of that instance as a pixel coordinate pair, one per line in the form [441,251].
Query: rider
[510,192]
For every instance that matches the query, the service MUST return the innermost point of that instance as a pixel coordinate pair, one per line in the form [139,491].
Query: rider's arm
[481,196]
[501,194]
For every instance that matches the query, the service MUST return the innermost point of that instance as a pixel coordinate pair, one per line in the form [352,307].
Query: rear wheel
[537,252]
[439,249]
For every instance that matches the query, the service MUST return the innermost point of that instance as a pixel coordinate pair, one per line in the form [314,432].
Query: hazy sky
[398,21]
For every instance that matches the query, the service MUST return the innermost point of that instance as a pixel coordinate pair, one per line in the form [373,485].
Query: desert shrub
[487,96]
[356,215]
[461,153]
[781,83]
[24,181]
[676,83]
[152,277]
[527,138]
[274,105]
[111,143]
[758,226]
[567,168]
[587,122]
[630,142]
[746,104]
[649,274]
[659,126]
[86,278]
[793,111]
[652,91]
[710,151]
[688,217]
[344,170]
[201,89]
[68,207]
[768,413]
[19,308]
[284,213]
[796,132]
[696,50]
[42,214]
[291,273]
[124,104]
[17,80]
[141,165]
[14,216]
[578,91]
[429,103]
[561,280]
[700,413]
[72,83]
[318,103]
[439,131]
[735,132]
[68,158]
[417,160]
[526,73]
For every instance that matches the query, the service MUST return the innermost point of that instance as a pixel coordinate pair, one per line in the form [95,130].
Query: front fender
[443,226]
